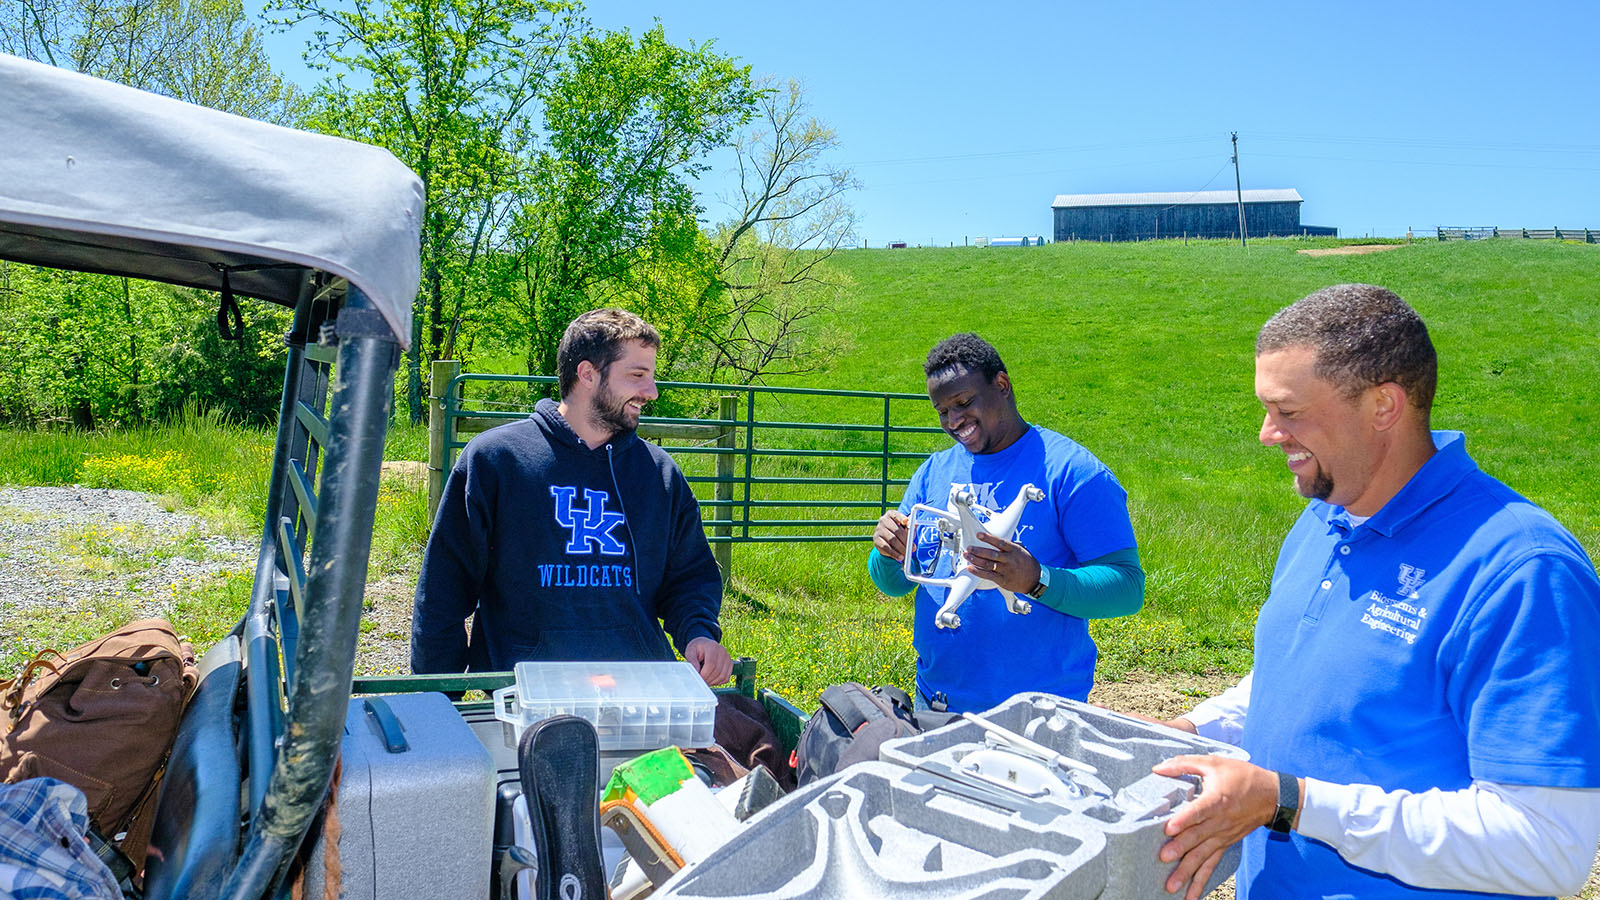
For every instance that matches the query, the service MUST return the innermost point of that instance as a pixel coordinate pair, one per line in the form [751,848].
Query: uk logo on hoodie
[590,528]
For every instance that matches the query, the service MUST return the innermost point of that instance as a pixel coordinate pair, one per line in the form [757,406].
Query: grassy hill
[1143,353]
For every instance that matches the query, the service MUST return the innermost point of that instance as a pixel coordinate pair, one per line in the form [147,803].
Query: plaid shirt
[43,854]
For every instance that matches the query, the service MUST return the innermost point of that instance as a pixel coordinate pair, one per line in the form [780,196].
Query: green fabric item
[888,575]
[1102,588]
[650,777]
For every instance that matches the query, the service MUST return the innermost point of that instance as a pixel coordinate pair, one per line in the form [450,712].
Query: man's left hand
[1235,799]
[1008,565]
[711,659]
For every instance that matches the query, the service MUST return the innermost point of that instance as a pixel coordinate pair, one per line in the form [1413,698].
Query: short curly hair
[598,336]
[964,351]
[1363,335]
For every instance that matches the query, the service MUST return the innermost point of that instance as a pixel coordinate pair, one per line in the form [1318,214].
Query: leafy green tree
[629,124]
[451,88]
[773,275]
[199,51]
[90,350]
[242,380]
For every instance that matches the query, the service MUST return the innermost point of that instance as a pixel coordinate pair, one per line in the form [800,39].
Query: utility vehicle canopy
[99,177]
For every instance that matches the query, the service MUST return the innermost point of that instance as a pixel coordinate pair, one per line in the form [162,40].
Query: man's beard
[1321,485]
[611,409]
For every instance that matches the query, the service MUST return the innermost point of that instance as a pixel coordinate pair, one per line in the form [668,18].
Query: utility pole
[1238,187]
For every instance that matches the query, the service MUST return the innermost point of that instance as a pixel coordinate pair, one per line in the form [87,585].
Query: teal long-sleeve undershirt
[1102,588]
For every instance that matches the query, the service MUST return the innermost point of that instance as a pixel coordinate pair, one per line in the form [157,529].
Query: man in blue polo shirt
[1423,717]
[1073,552]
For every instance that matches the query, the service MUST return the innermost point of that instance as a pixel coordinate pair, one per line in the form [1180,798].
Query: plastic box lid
[632,705]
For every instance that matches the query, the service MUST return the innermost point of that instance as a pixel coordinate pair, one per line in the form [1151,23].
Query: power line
[1197,191]
[995,176]
[1426,143]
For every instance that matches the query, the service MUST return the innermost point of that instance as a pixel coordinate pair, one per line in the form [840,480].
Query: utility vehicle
[98,177]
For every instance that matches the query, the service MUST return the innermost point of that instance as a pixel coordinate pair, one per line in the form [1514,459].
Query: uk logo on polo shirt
[1398,616]
[1411,579]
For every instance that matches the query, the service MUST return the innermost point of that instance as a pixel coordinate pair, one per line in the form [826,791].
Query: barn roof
[1178,198]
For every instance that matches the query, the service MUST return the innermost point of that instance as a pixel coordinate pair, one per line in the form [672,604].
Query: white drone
[958,529]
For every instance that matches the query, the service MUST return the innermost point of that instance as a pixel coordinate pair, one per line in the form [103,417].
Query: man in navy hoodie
[565,536]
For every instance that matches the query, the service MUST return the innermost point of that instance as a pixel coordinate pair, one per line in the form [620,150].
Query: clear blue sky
[967,119]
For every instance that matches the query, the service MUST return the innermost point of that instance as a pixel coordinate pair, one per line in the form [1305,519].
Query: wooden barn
[1196,214]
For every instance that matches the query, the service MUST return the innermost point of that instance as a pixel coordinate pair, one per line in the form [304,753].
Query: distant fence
[1485,232]
[760,479]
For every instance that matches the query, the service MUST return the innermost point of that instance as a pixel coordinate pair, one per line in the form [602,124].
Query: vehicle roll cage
[311,573]
[291,658]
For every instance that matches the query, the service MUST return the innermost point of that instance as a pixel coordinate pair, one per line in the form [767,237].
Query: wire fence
[1487,232]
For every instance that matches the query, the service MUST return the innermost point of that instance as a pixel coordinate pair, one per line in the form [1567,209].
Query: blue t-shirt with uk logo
[995,653]
[1439,642]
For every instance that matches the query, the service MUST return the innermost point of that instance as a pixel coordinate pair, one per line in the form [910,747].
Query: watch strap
[1288,803]
[1039,587]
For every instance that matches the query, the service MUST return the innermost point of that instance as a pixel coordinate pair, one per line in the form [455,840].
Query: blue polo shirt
[1443,640]
[995,654]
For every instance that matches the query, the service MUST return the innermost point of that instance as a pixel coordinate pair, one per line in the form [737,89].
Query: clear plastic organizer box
[633,705]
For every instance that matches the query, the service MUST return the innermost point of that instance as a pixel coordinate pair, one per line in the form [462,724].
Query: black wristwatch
[1038,590]
[1288,803]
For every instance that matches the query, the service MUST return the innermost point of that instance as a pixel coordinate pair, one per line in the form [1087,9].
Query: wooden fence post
[724,551]
[439,377]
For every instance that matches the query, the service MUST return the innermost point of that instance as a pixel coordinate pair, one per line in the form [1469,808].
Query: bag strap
[899,698]
[122,868]
[853,704]
[11,690]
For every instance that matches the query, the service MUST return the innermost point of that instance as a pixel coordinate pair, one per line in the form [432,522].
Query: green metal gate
[776,464]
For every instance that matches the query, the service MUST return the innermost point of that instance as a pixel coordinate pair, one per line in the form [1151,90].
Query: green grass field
[1141,352]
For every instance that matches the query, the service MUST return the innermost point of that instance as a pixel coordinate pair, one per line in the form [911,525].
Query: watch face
[1044,582]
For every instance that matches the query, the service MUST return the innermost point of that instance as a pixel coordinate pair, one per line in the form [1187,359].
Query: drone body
[958,527]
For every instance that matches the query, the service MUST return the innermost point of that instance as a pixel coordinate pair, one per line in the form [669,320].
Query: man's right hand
[890,535]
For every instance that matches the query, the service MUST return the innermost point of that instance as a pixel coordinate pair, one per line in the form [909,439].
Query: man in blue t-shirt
[1423,717]
[1073,552]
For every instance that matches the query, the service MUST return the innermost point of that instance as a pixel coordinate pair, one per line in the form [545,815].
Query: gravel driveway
[67,549]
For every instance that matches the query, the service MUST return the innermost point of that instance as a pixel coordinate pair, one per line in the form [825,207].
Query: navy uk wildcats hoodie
[564,552]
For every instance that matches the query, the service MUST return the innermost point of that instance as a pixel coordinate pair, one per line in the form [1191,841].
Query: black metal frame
[298,639]
[336,406]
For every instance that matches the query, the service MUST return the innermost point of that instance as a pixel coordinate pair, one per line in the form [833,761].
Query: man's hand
[1235,799]
[1008,565]
[1180,724]
[890,535]
[711,659]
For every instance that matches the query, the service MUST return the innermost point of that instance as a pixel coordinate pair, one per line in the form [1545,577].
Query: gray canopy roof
[100,177]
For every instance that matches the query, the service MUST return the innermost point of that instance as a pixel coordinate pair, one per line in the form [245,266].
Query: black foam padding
[558,760]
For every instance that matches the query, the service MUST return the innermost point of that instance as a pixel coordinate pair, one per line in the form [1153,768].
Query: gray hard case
[417,823]
[1130,805]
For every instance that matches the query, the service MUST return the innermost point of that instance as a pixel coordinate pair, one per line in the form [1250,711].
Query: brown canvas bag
[101,717]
